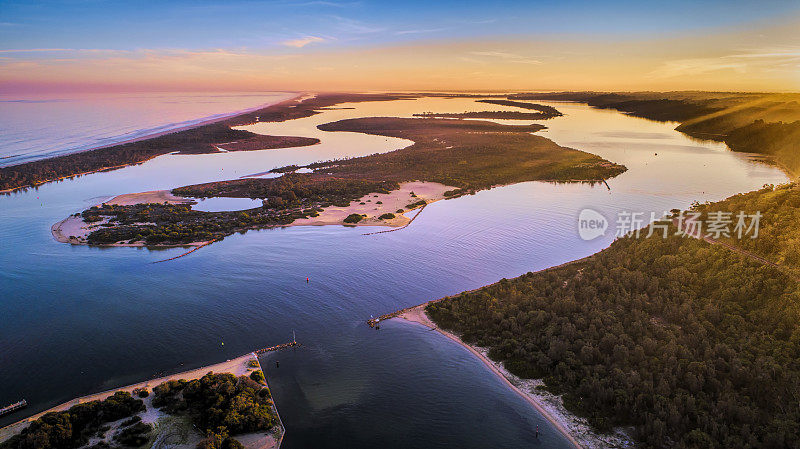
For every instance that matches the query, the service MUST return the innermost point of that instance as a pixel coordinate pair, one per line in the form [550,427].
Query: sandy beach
[575,429]
[376,204]
[163,422]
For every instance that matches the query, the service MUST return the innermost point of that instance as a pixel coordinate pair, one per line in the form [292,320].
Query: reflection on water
[108,317]
[225,204]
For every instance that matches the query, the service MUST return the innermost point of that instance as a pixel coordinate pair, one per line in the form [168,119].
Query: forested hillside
[691,344]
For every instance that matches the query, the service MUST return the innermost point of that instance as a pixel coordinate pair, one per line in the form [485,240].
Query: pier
[290,344]
[13,407]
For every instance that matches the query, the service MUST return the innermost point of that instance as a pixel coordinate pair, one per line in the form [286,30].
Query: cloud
[506,56]
[744,61]
[303,41]
[421,31]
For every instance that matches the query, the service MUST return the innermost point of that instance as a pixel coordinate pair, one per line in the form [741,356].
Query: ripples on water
[106,317]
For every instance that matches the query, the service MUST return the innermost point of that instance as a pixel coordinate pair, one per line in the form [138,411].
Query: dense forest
[202,139]
[548,111]
[689,344]
[765,123]
[220,406]
[286,198]
[779,226]
[73,428]
[470,154]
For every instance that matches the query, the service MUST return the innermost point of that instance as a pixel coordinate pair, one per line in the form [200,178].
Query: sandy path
[418,315]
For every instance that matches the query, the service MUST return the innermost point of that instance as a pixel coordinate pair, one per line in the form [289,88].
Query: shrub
[141,392]
[353,218]
[399,211]
[387,216]
[257,376]
[134,436]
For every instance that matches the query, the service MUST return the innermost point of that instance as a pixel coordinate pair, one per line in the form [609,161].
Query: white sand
[391,202]
[153,196]
[575,429]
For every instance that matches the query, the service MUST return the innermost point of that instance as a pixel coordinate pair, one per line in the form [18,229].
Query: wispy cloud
[741,62]
[353,26]
[421,31]
[506,56]
[303,41]
[52,50]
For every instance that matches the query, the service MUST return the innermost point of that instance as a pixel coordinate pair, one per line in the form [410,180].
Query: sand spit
[575,429]
[153,196]
[173,432]
[76,231]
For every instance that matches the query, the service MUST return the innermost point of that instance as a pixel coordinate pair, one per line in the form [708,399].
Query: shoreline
[575,429]
[203,121]
[299,96]
[237,366]
[75,231]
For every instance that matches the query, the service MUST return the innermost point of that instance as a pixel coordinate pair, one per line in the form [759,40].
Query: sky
[246,45]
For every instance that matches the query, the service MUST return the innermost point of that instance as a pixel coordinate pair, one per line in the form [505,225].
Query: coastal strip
[239,366]
[574,429]
[417,315]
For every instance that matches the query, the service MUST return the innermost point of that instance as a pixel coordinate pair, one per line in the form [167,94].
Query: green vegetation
[386,216]
[353,218]
[546,111]
[258,376]
[691,345]
[199,140]
[134,436]
[502,115]
[467,154]
[779,231]
[287,198]
[765,123]
[416,204]
[72,428]
[220,405]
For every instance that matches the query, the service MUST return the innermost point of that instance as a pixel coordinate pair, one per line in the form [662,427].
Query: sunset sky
[363,45]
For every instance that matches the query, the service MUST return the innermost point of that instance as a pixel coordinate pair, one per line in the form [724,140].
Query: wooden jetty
[13,407]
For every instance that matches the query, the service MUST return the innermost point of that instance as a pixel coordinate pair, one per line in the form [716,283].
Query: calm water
[75,319]
[36,127]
